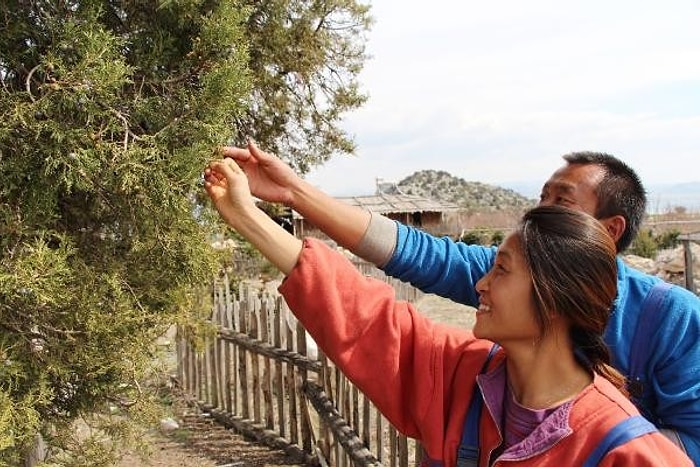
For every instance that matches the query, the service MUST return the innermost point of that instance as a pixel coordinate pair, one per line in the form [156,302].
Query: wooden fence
[260,374]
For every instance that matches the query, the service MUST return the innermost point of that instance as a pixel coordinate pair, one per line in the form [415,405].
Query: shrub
[644,244]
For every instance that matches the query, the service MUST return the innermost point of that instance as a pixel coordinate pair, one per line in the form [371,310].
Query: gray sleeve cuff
[379,241]
[673,436]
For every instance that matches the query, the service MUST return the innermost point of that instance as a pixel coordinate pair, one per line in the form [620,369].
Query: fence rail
[259,373]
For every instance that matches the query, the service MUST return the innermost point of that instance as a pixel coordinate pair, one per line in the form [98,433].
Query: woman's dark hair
[619,193]
[573,267]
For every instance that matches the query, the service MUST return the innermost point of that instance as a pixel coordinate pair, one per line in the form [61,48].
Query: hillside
[440,185]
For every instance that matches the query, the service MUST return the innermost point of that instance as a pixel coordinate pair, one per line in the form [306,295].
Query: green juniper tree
[109,111]
[304,57]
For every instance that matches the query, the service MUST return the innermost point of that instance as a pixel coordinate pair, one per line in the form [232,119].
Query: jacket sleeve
[439,265]
[675,368]
[397,357]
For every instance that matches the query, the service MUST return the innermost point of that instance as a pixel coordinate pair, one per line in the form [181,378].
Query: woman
[549,394]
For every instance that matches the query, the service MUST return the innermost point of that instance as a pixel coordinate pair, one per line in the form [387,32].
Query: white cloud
[497,91]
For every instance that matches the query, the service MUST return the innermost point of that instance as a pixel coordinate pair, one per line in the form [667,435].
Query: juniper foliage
[110,110]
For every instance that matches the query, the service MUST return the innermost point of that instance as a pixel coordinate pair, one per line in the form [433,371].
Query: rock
[671,261]
[168,425]
[669,265]
[647,265]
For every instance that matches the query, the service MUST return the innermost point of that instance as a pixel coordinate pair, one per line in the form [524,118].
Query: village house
[426,214]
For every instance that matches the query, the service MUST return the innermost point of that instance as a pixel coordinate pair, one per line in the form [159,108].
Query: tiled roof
[399,203]
[385,204]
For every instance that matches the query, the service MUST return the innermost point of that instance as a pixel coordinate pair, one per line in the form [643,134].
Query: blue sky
[497,91]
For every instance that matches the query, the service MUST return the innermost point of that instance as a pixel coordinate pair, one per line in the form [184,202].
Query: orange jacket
[421,375]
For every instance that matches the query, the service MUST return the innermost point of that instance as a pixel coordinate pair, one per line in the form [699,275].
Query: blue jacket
[452,269]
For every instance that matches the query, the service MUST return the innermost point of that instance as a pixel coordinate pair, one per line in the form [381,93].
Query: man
[598,184]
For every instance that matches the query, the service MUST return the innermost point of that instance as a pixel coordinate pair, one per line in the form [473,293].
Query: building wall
[431,222]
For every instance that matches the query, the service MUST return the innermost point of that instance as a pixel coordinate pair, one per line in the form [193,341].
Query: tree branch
[28,82]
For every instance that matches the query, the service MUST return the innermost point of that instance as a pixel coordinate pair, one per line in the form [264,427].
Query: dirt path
[201,442]
[446,311]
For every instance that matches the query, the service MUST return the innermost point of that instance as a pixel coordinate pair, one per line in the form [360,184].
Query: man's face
[573,186]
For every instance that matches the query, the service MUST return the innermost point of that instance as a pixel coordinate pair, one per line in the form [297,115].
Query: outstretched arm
[228,188]
[272,180]
[433,265]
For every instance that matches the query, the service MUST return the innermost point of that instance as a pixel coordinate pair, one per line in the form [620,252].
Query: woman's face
[506,310]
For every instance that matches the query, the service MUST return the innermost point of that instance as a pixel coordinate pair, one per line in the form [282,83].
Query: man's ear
[615,225]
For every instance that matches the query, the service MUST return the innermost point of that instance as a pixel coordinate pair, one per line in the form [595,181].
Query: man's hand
[269,178]
[272,180]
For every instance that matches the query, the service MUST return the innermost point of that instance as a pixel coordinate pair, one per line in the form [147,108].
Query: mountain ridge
[471,195]
[443,186]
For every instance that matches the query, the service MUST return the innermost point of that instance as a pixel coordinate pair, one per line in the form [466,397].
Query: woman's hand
[227,186]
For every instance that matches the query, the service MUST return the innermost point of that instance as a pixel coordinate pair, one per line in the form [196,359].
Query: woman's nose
[482,284]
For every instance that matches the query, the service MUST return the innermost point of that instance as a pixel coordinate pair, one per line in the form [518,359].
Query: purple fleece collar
[548,433]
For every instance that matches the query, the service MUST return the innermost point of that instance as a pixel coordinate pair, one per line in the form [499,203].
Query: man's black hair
[619,193]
